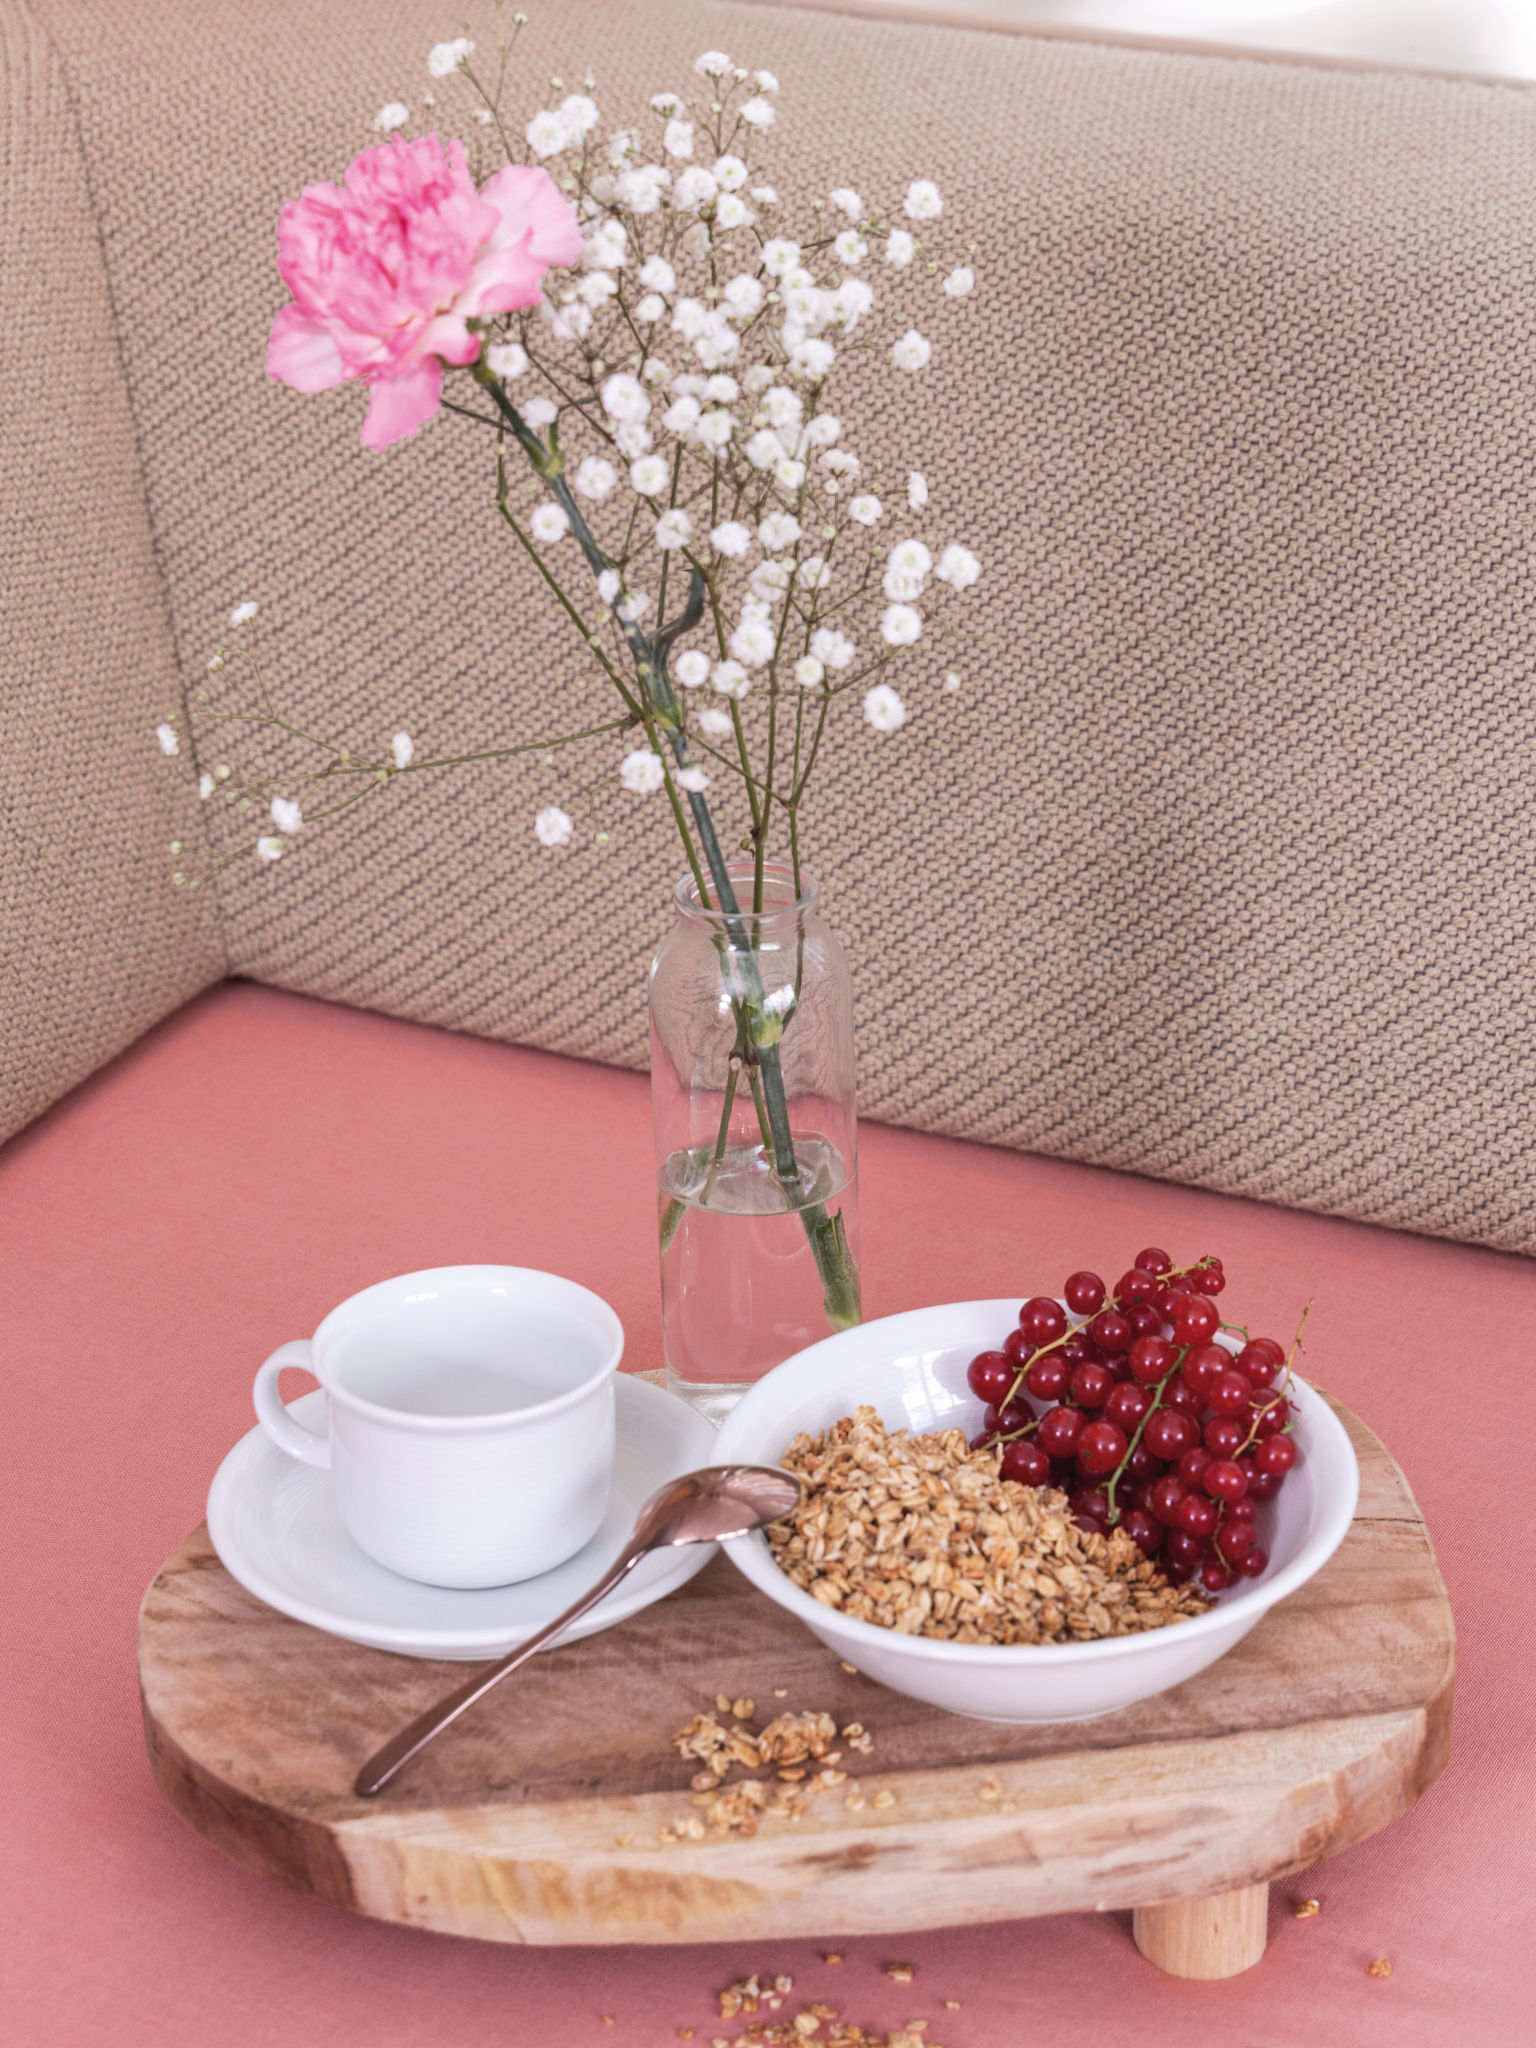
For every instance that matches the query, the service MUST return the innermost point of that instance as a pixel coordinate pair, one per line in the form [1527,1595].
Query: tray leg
[1204,1937]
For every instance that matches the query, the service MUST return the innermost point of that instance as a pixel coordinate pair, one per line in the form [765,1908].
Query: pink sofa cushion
[261,1155]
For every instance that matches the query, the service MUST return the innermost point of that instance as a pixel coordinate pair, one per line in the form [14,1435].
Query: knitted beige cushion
[1219,866]
[93,946]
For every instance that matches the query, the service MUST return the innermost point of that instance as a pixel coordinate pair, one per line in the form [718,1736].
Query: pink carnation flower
[386,270]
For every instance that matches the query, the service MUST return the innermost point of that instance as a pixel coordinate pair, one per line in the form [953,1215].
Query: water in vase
[740,1288]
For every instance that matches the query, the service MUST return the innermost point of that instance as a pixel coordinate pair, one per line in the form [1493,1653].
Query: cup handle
[273,1414]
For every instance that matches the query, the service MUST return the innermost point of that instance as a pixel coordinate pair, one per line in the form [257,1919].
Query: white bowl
[911,1370]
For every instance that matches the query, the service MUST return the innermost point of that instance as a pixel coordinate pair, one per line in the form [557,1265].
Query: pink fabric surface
[260,1156]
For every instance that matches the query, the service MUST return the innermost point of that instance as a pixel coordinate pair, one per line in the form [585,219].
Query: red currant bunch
[1154,1415]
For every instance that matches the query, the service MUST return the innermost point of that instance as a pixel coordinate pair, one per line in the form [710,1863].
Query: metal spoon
[709,1506]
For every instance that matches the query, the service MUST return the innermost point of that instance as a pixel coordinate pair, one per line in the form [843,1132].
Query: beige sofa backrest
[1218,867]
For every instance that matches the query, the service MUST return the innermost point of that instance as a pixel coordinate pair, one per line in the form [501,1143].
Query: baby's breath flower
[788,473]
[609,584]
[731,212]
[639,189]
[713,64]
[780,256]
[764,449]
[854,298]
[392,115]
[730,679]
[731,538]
[548,133]
[606,247]
[270,847]
[595,478]
[570,323]
[552,827]
[917,491]
[657,275]
[640,771]
[681,415]
[549,522]
[714,429]
[650,309]
[866,509]
[620,145]
[900,625]
[839,462]
[922,201]
[960,281]
[540,412]
[752,643]
[813,358]
[809,672]
[832,648]
[215,661]
[506,359]
[624,398]
[444,58]
[958,567]
[764,195]
[694,780]
[674,529]
[778,531]
[694,189]
[823,430]
[850,246]
[648,476]
[666,103]
[730,173]
[883,708]
[757,113]
[579,114]
[847,202]
[632,439]
[912,351]
[906,569]
[634,604]
[286,815]
[166,735]
[596,287]
[813,573]
[899,248]
[242,614]
[403,749]
[691,668]
[205,786]
[716,723]
[765,81]
[951,683]
[677,138]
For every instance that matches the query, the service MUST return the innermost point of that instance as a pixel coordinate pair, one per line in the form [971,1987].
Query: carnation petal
[303,352]
[400,406]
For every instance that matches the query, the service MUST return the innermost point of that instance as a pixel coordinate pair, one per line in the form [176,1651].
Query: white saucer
[276,1528]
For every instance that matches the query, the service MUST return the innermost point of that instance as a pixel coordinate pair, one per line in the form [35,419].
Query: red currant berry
[1193,1463]
[1091,1386]
[1224,1480]
[1091,1501]
[1017,1347]
[1180,1548]
[1164,1499]
[1145,1321]
[1254,1562]
[1100,1447]
[1111,1331]
[1256,1352]
[1016,1416]
[1142,1465]
[1231,1395]
[1169,1434]
[1076,1349]
[1241,1510]
[1204,1365]
[1084,1293]
[1025,1462]
[1154,1260]
[1195,1320]
[983,1440]
[1197,1514]
[1214,1576]
[990,1374]
[1126,1405]
[1143,1531]
[1047,1377]
[1134,1289]
[1181,1395]
[1265,1485]
[1152,1359]
[1212,1280]
[1276,1454]
[1224,1435]
[1042,1320]
[1058,1432]
[1164,1299]
[1235,1540]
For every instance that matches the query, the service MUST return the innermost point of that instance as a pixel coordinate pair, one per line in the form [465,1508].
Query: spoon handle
[398,1751]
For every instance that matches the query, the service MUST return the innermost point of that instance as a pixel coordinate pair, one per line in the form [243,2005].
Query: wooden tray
[539,1818]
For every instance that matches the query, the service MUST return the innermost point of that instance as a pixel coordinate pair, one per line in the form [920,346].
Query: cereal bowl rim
[807,1369]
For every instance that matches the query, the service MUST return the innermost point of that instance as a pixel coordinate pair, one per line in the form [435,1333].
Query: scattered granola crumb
[951,2005]
[744,1709]
[991,1790]
[781,1692]
[722,1703]
[607,2018]
[1309,1909]
[1382,1967]
[854,1803]
[831,1956]
[899,1973]
[622,1841]
[884,1798]
[685,2033]
[844,1665]
[921,1534]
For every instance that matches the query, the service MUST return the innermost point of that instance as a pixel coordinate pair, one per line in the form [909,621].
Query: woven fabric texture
[1220,865]
[94,944]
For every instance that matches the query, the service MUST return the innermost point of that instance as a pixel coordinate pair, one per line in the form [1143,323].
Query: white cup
[471,1431]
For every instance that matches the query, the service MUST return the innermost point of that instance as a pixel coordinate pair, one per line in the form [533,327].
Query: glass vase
[752,1090]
